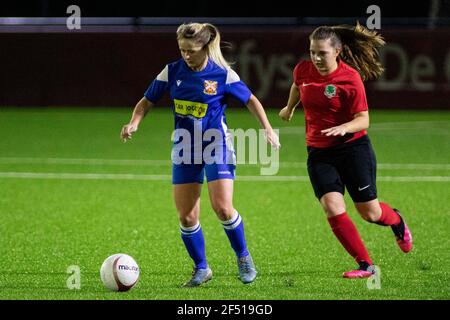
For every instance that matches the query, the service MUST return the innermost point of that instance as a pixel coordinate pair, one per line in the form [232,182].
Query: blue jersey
[199,102]
[199,97]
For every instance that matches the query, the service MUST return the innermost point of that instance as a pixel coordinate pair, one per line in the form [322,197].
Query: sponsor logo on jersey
[196,109]
[178,83]
[210,87]
[330,91]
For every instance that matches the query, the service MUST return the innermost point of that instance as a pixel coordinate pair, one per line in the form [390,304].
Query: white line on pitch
[383,126]
[137,162]
[150,177]
[75,161]
[386,166]
[83,176]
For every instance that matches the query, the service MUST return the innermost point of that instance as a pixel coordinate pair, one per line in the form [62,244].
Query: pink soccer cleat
[365,271]
[402,234]
[354,274]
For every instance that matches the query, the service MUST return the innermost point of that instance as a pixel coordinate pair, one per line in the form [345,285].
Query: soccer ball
[119,272]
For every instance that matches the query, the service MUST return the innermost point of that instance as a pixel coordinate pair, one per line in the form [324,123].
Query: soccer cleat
[402,234]
[354,274]
[247,270]
[365,271]
[199,276]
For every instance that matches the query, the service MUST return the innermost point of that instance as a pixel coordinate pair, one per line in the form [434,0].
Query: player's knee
[224,212]
[333,208]
[188,220]
[333,204]
[369,215]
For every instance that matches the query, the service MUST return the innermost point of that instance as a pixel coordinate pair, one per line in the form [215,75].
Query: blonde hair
[359,47]
[204,34]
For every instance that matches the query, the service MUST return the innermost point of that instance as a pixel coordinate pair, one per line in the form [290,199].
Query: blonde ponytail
[214,50]
[207,35]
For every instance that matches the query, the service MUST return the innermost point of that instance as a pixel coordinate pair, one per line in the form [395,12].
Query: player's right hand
[127,131]
[286,114]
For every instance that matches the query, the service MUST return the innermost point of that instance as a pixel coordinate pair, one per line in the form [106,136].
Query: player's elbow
[366,124]
[363,120]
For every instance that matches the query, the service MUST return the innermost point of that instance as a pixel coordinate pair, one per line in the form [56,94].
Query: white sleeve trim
[164,75]
[232,76]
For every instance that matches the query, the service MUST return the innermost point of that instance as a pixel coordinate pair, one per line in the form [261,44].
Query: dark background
[220,8]
[44,63]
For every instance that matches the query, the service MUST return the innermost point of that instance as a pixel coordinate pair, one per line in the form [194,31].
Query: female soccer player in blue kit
[340,154]
[199,84]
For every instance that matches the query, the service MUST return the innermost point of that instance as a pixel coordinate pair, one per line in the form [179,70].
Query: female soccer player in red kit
[330,88]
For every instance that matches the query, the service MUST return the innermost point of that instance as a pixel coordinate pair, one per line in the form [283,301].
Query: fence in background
[113,65]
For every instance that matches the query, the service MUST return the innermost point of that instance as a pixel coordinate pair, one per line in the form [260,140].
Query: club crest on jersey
[330,91]
[210,87]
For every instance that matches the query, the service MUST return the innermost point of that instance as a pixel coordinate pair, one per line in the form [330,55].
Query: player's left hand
[272,138]
[127,131]
[335,131]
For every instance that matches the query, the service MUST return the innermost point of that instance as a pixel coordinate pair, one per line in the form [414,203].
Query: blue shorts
[194,173]
[191,160]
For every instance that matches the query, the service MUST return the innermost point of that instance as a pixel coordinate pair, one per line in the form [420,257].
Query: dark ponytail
[359,47]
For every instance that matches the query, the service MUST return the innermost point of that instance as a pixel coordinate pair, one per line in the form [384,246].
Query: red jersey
[329,101]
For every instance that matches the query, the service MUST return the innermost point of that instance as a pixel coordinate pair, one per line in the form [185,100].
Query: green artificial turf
[51,222]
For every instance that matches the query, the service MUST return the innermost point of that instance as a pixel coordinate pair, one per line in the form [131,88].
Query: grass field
[72,194]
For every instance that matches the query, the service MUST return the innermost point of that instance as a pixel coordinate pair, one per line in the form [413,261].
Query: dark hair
[359,47]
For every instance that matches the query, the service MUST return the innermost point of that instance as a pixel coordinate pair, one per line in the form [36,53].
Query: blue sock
[234,228]
[195,244]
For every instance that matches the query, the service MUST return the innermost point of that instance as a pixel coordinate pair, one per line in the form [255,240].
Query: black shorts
[349,165]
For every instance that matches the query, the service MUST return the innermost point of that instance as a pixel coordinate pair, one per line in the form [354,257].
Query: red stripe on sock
[347,234]
[388,215]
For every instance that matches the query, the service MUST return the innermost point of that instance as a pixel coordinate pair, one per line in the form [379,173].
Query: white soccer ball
[119,272]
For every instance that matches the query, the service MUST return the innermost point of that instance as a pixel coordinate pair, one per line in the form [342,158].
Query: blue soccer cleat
[247,271]
[199,276]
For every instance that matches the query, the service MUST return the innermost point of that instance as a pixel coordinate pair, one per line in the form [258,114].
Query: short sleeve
[357,96]
[158,86]
[298,72]
[236,88]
